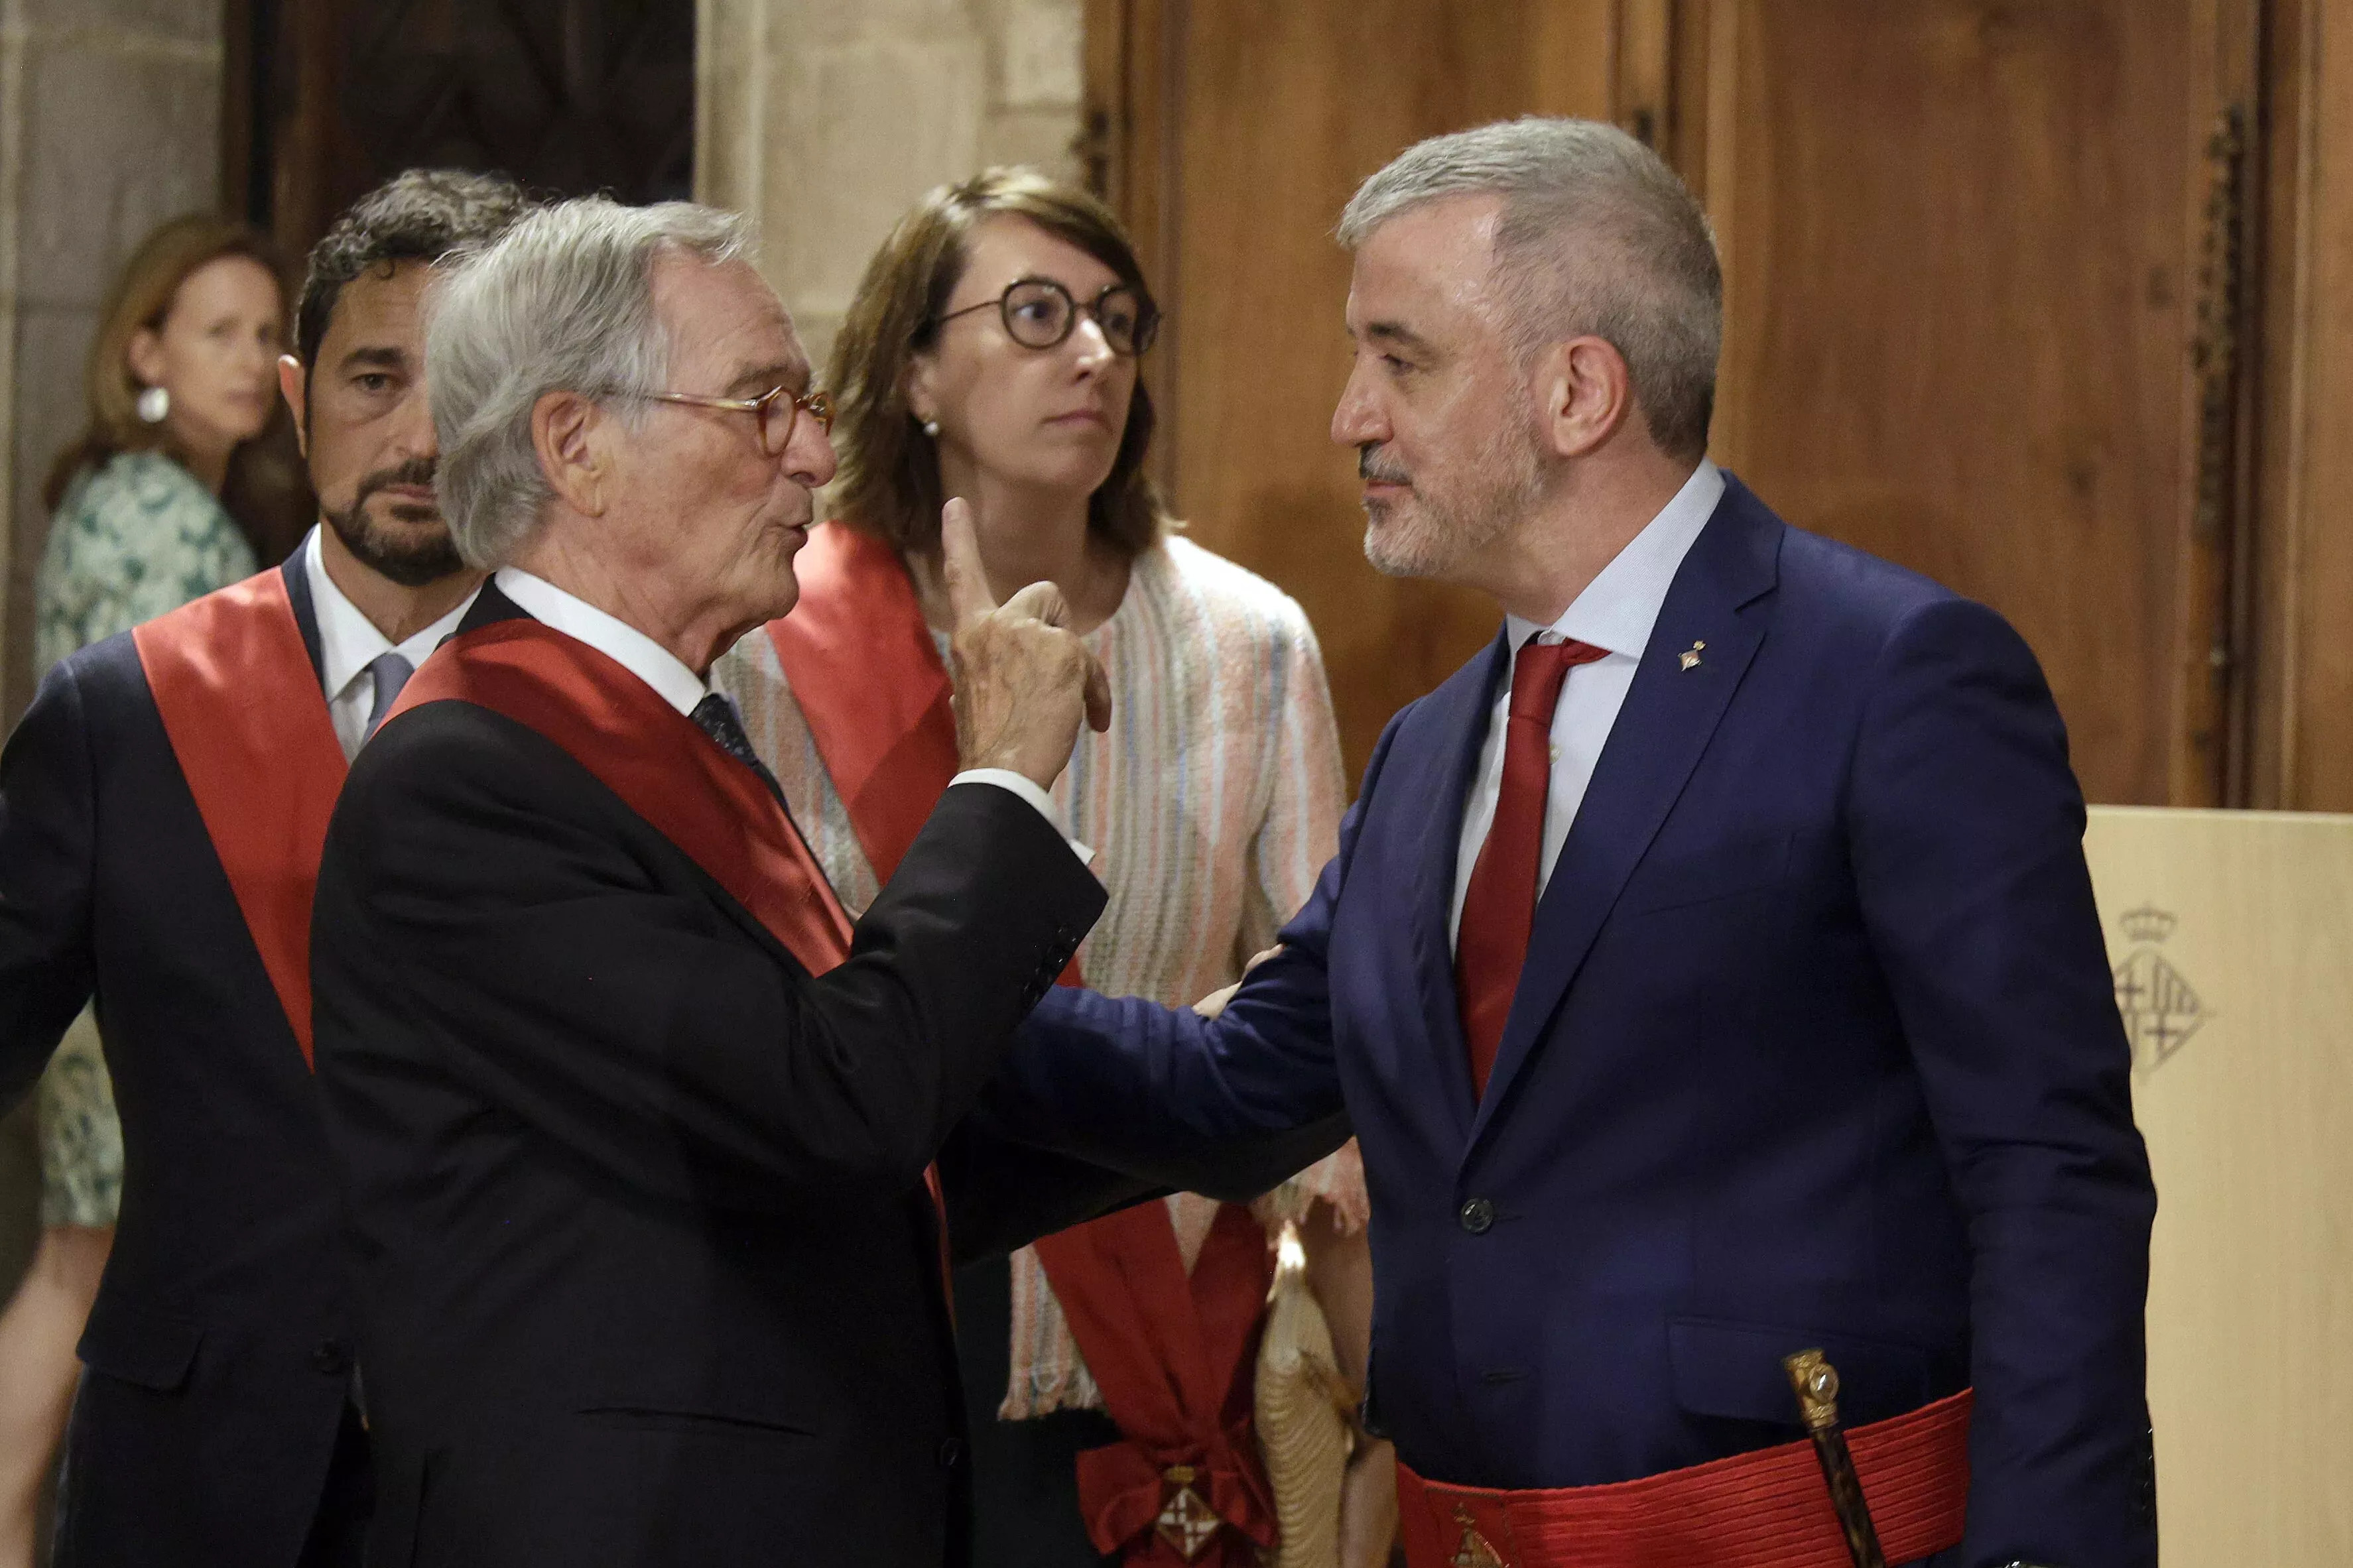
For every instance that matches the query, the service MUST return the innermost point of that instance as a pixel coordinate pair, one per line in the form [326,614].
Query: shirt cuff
[1026,788]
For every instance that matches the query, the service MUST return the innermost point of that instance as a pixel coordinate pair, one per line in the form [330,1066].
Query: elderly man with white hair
[639,1132]
[1709,968]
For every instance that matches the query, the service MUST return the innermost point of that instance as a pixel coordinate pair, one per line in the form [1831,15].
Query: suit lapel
[306,613]
[1450,758]
[1669,716]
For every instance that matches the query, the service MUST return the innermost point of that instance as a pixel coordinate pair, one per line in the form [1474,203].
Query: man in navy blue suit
[162,809]
[1709,968]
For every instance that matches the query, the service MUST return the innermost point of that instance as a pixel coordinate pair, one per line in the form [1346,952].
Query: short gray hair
[1596,236]
[563,301]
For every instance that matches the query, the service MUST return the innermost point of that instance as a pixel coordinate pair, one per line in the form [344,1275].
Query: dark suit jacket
[1815,1045]
[636,1206]
[219,1351]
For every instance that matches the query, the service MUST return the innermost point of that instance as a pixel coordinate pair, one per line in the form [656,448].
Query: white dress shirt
[681,686]
[349,643]
[617,640]
[1615,611]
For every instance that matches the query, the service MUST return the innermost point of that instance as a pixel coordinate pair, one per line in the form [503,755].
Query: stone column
[826,121]
[109,123]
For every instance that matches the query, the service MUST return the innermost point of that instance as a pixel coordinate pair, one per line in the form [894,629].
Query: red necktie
[1499,908]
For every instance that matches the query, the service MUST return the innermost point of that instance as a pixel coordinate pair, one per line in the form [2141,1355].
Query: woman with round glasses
[991,354]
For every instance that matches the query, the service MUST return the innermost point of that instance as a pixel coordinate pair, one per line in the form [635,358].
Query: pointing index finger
[969,599]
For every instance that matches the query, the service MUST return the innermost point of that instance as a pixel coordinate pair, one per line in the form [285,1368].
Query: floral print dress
[133,539]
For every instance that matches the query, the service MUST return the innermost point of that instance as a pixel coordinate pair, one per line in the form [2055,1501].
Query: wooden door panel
[330,98]
[1962,282]
[1964,242]
[1282,111]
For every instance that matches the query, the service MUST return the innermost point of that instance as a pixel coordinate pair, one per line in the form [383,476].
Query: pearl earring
[153,404]
[931,428]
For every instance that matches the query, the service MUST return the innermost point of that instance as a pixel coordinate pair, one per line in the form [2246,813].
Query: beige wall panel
[826,121]
[2232,933]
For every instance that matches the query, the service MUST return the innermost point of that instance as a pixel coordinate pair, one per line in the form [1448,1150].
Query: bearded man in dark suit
[1709,967]
[162,809]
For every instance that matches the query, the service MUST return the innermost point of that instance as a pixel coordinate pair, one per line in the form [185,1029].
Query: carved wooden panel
[2021,293]
[1229,133]
[568,96]
[1984,301]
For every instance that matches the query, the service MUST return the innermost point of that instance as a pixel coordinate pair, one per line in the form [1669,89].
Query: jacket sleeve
[46,845]
[1003,1192]
[483,912]
[1966,826]
[1135,1085]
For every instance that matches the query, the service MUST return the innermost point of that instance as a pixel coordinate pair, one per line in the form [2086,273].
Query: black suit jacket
[219,1350]
[648,1268]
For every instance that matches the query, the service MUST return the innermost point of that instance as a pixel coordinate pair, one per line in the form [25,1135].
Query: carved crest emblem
[1475,1552]
[2161,1009]
[1185,1522]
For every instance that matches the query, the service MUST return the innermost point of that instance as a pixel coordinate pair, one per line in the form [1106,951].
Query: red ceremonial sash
[239,699]
[658,761]
[1175,1359]
[862,666]
[1768,1509]
[663,767]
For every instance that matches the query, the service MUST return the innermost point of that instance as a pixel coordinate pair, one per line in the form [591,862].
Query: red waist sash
[241,706]
[1770,1509]
[1168,1352]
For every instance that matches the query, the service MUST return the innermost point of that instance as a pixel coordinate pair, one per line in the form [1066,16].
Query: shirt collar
[615,638]
[1622,603]
[348,641]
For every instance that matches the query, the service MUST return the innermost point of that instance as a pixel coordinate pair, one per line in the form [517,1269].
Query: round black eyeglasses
[1039,313]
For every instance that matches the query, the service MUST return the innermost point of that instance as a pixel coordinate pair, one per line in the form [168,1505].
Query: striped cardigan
[1212,803]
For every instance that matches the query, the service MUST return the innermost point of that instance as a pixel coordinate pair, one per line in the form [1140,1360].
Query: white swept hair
[561,302]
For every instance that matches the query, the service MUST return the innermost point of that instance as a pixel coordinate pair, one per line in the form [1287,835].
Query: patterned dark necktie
[716,717]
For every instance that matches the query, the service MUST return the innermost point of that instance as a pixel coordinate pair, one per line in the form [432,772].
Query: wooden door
[327,99]
[1232,132]
[1983,307]
[1981,310]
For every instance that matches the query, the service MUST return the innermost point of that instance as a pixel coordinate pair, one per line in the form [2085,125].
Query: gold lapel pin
[1690,656]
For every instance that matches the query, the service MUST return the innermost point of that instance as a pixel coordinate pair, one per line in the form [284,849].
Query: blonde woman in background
[991,354]
[181,382]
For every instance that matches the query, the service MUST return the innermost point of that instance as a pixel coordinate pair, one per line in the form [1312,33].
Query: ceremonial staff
[1817,1385]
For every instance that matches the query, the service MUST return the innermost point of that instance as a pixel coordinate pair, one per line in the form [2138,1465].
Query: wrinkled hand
[1023,683]
[1212,1005]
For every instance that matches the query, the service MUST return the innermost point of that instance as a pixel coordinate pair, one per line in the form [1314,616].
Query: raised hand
[1023,683]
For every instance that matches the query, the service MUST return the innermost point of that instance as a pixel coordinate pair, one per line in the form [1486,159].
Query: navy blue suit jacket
[219,1349]
[1815,1045]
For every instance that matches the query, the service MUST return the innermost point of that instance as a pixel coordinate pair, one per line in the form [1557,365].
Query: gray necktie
[390,672]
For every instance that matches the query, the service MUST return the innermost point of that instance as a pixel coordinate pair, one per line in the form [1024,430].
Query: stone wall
[826,121]
[109,123]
